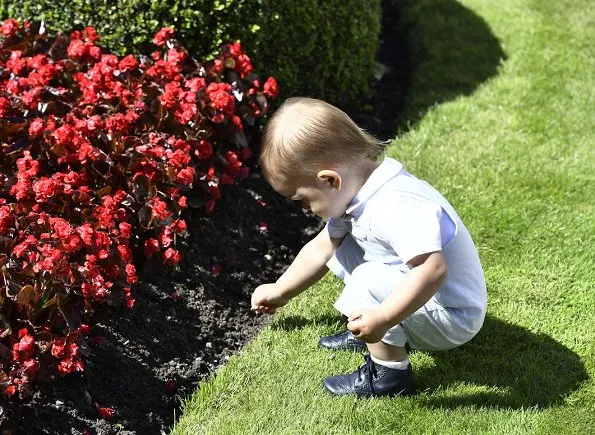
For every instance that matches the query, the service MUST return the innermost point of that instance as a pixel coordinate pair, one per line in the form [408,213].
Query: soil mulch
[186,323]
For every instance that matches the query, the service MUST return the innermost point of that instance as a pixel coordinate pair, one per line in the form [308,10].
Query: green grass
[501,121]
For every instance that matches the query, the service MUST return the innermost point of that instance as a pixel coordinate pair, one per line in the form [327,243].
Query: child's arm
[306,269]
[418,286]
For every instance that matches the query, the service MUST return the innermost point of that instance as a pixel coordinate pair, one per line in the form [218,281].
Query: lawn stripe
[514,154]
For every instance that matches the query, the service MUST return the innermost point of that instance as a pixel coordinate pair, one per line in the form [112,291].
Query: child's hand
[267,298]
[369,324]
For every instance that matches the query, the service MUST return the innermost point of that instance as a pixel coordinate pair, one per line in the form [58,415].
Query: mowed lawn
[501,120]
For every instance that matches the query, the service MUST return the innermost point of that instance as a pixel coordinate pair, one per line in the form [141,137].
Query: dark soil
[144,360]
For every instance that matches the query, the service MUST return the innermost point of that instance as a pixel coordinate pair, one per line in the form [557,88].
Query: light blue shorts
[368,284]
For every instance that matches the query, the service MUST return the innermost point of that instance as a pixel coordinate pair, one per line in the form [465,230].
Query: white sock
[399,365]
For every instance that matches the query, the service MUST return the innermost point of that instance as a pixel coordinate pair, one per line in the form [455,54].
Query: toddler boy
[411,271]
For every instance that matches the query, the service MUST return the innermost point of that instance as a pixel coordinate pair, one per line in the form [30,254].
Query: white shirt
[396,217]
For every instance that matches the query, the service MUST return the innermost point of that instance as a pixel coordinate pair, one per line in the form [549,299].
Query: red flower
[61,228]
[9,28]
[241,62]
[25,348]
[171,95]
[243,65]
[125,253]
[45,188]
[10,390]
[185,176]
[27,166]
[106,413]
[77,49]
[178,226]
[175,56]
[131,277]
[91,34]
[151,246]
[218,66]
[4,106]
[31,367]
[165,237]
[70,364]
[159,207]
[36,126]
[130,302]
[162,36]
[271,88]
[233,163]
[171,257]
[221,98]
[86,233]
[195,84]
[117,123]
[237,123]
[6,218]
[125,229]
[31,98]
[178,158]
[204,150]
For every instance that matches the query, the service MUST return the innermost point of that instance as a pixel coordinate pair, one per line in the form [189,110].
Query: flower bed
[100,156]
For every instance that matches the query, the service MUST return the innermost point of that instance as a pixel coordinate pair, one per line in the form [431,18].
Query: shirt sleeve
[336,228]
[411,226]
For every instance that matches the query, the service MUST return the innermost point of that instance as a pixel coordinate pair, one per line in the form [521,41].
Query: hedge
[320,48]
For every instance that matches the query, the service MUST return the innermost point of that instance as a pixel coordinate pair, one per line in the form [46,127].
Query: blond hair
[306,135]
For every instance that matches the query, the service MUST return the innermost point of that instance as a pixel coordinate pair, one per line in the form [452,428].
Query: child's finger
[354,328]
[354,315]
[261,309]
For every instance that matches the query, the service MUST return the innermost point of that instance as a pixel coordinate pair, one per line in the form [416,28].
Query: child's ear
[331,177]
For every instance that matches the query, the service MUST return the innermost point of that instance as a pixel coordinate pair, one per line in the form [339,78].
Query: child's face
[322,198]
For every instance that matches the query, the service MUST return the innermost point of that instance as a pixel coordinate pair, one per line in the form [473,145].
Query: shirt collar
[387,170]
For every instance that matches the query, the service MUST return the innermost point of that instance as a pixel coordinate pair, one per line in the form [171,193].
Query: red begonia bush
[99,157]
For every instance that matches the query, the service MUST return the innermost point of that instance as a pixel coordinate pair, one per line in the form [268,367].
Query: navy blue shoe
[372,380]
[343,341]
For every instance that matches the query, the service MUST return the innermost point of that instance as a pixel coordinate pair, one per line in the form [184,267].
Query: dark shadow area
[431,51]
[520,369]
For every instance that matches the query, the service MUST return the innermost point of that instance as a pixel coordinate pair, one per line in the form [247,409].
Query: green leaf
[26,294]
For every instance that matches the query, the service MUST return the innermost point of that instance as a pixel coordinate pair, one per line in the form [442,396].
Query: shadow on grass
[512,366]
[434,51]
[452,52]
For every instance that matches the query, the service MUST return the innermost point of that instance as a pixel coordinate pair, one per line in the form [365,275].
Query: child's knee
[365,272]
[379,279]
[369,285]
